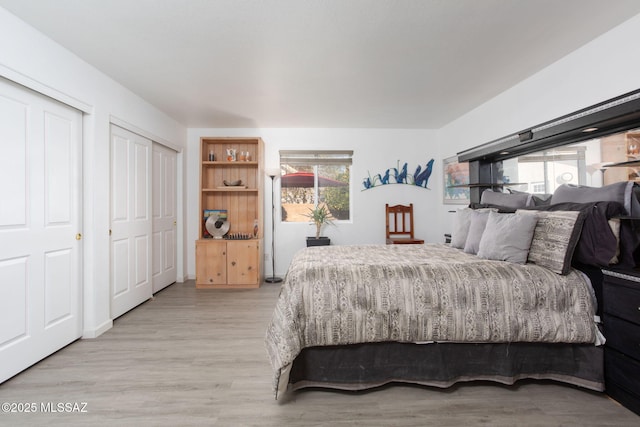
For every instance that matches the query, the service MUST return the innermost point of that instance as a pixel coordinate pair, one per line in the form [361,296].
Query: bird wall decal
[397,175]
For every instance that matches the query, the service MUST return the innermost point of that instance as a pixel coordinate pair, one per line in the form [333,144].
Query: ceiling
[320,63]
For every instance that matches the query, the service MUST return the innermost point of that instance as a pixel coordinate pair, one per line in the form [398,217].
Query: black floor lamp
[272,173]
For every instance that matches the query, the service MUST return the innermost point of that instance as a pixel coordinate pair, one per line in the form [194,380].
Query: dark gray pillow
[541,199]
[461,223]
[537,199]
[507,237]
[478,223]
[620,192]
[554,238]
[516,200]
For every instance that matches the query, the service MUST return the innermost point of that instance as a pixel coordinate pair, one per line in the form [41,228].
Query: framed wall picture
[456,175]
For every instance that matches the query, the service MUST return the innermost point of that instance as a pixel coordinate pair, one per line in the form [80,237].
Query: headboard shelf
[488,184]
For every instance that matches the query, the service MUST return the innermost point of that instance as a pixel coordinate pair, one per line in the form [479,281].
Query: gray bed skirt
[364,366]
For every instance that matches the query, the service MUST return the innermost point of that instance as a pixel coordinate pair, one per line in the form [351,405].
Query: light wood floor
[197,357]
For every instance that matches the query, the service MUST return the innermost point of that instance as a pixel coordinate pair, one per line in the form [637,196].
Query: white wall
[30,58]
[602,69]
[375,150]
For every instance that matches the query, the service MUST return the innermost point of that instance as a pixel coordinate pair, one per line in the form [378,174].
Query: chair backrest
[399,221]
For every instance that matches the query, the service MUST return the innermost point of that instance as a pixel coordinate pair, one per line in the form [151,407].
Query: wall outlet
[267,257]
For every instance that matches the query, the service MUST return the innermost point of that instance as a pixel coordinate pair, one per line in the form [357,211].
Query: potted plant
[320,216]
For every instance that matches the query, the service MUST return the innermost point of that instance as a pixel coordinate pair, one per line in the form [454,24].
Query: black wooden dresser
[621,320]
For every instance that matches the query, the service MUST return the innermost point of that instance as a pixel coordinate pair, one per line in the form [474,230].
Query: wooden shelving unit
[227,263]
[621,157]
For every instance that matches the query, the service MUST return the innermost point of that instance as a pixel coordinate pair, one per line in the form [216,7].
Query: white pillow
[478,224]
[461,223]
[507,237]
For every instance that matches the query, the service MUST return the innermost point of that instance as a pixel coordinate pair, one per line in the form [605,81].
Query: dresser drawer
[622,335]
[622,372]
[622,301]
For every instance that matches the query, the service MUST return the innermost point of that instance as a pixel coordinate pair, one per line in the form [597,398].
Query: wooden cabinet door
[211,263]
[242,262]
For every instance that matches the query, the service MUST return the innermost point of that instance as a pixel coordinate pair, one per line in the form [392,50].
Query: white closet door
[164,217]
[40,219]
[130,220]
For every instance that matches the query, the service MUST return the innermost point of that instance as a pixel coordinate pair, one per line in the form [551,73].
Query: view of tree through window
[310,179]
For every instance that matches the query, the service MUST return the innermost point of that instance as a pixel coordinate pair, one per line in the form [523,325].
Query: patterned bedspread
[419,293]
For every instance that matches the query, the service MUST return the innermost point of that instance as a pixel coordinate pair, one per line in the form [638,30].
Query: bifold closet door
[40,220]
[165,189]
[131,225]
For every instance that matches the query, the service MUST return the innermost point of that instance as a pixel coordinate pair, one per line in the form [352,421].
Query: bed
[355,317]
[337,299]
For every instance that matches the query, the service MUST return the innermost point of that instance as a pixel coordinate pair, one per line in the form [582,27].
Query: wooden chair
[400,225]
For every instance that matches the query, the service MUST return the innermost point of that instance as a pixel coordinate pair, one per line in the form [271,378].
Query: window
[538,187]
[312,178]
[545,170]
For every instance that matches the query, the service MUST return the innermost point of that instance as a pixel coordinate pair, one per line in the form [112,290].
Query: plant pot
[321,241]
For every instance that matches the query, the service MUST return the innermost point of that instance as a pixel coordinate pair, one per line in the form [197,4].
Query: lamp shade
[272,172]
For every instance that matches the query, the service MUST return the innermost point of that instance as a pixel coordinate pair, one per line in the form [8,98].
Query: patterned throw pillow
[554,239]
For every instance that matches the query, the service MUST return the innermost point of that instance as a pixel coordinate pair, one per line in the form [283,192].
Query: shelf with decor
[625,164]
[230,163]
[621,157]
[231,190]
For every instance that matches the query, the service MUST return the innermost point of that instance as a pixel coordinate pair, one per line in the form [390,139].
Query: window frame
[316,159]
